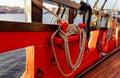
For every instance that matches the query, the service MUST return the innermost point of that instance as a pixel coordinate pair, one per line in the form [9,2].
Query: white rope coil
[109,31]
[64,36]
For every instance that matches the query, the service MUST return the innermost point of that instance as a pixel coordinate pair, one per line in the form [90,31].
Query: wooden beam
[25,27]
[104,15]
[68,3]
[37,12]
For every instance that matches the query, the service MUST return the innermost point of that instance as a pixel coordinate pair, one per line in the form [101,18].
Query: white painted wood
[28,10]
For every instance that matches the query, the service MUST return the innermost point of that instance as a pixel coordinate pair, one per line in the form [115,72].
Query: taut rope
[38,4]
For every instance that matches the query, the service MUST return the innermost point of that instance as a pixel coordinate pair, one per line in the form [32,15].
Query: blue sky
[20,3]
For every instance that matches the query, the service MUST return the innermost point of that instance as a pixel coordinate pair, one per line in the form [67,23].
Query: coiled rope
[109,31]
[71,30]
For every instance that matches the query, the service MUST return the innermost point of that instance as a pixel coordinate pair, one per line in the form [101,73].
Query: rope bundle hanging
[71,29]
[107,36]
[109,31]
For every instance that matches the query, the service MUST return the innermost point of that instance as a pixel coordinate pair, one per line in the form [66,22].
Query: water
[46,18]
[21,18]
[12,17]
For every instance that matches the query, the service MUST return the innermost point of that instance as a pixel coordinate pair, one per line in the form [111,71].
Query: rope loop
[71,29]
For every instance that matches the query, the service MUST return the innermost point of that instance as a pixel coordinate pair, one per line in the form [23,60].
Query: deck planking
[109,68]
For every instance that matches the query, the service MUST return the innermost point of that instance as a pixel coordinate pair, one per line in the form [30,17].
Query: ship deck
[109,68]
[12,65]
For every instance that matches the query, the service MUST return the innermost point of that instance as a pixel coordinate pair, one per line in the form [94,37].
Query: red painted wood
[119,38]
[105,46]
[14,40]
[40,40]
[43,52]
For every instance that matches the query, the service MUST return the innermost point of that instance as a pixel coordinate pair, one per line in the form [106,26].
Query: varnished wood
[29,61]
[105,15]
[110,68]
[68,3]
[37,13]
[25,27]
[71,16]
[94,28]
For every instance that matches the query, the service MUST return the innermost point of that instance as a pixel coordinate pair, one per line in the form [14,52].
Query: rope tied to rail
[110,21]
[64,30]
[111,27]
[38,4]
[72,29]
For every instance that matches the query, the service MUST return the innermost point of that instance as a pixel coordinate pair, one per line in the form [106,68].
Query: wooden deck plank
[110,68]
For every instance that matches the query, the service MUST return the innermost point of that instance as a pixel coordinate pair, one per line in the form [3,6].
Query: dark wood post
[37,13]
[71,15]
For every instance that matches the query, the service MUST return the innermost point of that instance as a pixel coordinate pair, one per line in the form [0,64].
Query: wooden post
[29,73]
[37,13]
[27,10]
[71,16]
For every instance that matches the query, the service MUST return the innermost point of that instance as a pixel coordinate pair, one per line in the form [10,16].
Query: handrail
[68,3]
[6,26]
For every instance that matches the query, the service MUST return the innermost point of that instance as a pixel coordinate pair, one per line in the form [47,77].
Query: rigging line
[109,33]
[114,4]
[102,9]
[39,5]
[61,14]
[103,5]
[112,10]
[100,18]
[95,3]
[56,12]
[97,17]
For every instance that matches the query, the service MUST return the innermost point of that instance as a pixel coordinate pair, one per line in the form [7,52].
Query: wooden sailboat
[61,56]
